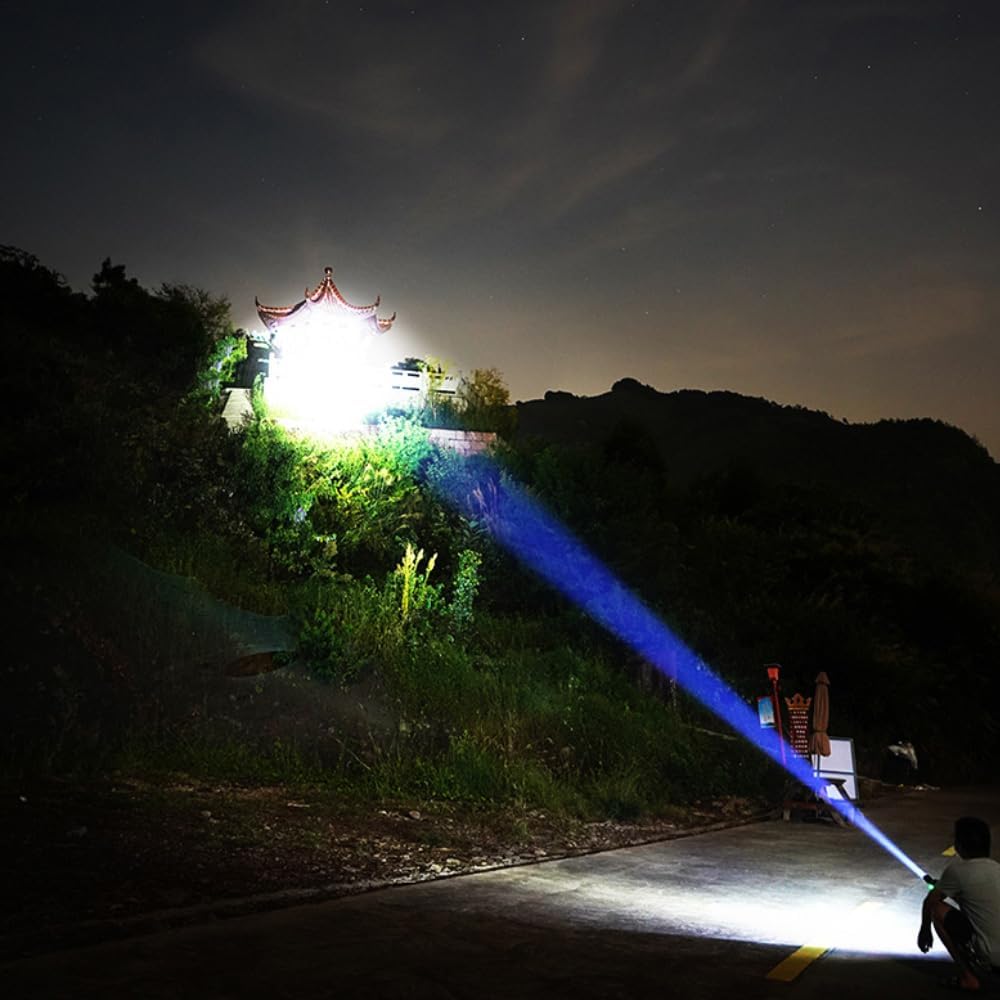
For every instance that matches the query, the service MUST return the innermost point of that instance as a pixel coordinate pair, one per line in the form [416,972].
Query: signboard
[798,724]
[765,711]
[840,764]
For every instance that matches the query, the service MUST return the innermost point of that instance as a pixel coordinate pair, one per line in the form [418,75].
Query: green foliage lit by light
[464,589]
[229,353]
[484,402]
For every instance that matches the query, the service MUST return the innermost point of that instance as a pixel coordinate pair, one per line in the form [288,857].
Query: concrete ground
[710,915]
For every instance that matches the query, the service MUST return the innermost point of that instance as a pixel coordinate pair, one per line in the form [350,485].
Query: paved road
[704,916]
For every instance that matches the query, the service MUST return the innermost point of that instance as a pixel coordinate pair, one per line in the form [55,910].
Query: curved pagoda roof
[326,297]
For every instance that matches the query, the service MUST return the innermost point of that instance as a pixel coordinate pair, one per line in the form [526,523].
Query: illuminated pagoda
[327,307]
[317,374]
[317,379]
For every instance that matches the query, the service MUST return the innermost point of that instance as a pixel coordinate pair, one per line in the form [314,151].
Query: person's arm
[925,938]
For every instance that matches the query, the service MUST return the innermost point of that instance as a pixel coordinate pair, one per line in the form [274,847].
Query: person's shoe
[966,983]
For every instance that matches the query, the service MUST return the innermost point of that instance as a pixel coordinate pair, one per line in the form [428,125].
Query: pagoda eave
[326,297]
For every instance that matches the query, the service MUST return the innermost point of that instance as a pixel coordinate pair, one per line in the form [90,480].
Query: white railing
[405,380]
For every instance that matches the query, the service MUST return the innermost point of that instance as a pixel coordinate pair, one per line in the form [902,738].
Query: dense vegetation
[424,663]
[869,551]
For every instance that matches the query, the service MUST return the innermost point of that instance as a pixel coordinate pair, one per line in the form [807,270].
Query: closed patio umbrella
[819,742]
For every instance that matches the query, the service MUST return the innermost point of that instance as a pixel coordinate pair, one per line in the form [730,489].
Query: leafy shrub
[465,586]
[345,628]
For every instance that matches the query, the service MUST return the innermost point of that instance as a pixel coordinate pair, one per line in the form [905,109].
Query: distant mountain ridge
[925,479]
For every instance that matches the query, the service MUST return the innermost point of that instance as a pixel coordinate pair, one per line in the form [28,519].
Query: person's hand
[925,938]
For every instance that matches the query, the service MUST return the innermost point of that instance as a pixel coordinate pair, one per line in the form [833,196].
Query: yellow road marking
[792,967]
[949,852]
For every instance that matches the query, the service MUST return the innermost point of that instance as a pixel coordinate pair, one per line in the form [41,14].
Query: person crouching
[964,906]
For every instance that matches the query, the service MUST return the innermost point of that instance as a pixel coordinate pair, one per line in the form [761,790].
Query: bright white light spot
[320,380]
[834,921]
[819,913]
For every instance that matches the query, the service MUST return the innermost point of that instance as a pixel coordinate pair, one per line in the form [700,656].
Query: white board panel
[840,764]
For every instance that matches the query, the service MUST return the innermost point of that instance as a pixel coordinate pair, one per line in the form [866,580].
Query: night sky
[796,200]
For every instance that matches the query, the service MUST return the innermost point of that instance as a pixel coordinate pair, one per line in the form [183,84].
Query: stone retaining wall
[464,442]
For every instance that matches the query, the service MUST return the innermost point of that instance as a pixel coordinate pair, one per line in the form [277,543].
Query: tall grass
[194,752]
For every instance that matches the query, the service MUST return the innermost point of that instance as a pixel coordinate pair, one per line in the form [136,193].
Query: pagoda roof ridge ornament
[328,298]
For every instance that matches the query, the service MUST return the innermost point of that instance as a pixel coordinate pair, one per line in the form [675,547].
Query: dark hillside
[930,488]
[771,533]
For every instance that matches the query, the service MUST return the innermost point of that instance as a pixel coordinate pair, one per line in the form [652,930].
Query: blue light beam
[522,526]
